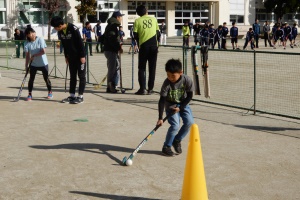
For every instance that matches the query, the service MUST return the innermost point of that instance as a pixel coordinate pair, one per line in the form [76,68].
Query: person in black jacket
[19,41]
[112,46]
[74,55]
[224,35]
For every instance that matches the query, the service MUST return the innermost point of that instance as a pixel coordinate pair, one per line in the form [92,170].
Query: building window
[186,11]
[156,9]
[237,18]
[2,17]
[2,12]
[237,11]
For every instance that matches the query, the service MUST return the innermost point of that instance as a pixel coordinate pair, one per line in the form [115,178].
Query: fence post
[87,62]
[6,54]
[254,89]
[54,45]
[184,60]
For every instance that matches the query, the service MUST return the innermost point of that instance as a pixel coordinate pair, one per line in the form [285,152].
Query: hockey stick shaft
[23,83]
[145,140]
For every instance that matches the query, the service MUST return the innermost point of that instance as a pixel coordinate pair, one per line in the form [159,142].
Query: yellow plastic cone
[194,184]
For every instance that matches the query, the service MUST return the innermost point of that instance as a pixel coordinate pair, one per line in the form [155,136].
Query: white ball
[128,162]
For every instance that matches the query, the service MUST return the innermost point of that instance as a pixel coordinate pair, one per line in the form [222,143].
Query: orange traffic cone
[194,184]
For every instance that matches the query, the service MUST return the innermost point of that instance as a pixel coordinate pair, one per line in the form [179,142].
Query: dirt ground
[51,150]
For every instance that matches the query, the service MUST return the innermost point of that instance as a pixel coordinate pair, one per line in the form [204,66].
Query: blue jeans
[174,121]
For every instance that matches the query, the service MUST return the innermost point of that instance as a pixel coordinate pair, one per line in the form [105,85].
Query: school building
[19,13]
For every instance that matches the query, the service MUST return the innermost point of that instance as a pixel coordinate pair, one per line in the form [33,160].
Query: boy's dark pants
[267,38]
[147,54]
[18,52]
[89,43]
[223,44]
[75,66]
[97,46]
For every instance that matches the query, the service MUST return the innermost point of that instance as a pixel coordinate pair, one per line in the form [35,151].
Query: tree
[281,7]
[52,7]
[86,7]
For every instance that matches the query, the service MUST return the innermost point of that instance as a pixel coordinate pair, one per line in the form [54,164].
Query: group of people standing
[207,35]
[279,32]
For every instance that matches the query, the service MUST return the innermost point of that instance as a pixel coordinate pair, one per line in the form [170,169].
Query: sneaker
[68,100]
[177,146]
[167,151]
[140,92]
[77,100]
[150,92]
[284,48]
[29,98]
[292,46]
[274,47]
[50,95]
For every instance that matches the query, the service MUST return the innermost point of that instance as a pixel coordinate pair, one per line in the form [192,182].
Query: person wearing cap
[74,52]
[112,46]
[147,34]
[36,60]
[98,33]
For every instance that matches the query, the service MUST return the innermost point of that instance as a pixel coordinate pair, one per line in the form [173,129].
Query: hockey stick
[205,72]
[66,77]
[97,86]
[133,154]
[22,85]
[195,71]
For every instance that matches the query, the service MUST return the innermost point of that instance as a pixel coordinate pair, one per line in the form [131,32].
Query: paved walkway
[50,150]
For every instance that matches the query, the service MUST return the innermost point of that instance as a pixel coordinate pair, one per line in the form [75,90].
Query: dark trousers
[217,40]
[186,41]
[223,43]
[89,43]
[267,38]
[33,71]
[99,44]
[19,44]
[256,37]
[75,66]
[246,43]
[147,54]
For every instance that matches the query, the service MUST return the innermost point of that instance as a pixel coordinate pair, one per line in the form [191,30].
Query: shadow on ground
[90,147]
[110,196]
[272,130]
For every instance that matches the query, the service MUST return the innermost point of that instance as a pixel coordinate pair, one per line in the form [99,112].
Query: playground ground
[50,150]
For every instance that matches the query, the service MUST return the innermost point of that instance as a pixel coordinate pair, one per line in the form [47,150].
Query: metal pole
[254,103]
[54,45]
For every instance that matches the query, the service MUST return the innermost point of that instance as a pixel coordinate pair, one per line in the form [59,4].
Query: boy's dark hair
[250,29]
[16,30]
[141,10]
[233,23]
[87,23]
[27,31]
[220,26]
[56,21]
[173,66]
